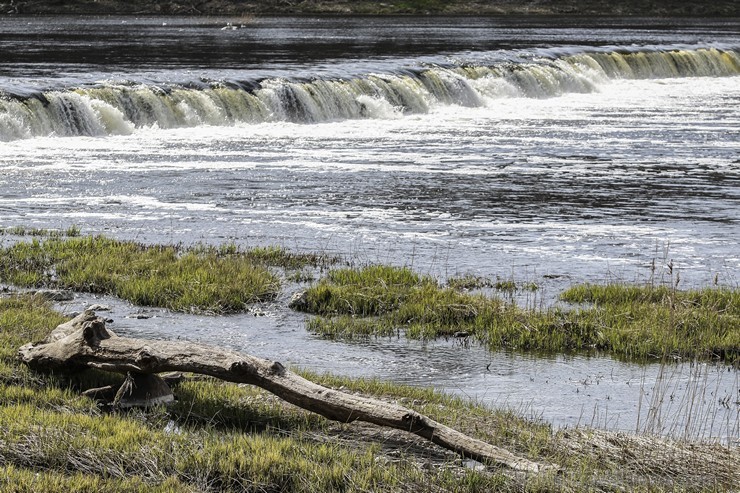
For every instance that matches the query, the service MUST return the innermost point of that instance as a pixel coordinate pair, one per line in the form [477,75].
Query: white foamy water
[575,153]
[604,177]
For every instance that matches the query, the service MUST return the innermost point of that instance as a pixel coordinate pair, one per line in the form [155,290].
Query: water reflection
[106,45]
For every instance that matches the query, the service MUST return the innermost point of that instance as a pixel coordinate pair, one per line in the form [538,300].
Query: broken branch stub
[85,342]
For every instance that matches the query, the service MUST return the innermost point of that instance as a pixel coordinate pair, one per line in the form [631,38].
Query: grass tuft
[633,322]
[200,279]
[71,231]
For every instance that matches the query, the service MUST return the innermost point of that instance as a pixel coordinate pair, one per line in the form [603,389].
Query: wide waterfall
[119,108]
[531,153]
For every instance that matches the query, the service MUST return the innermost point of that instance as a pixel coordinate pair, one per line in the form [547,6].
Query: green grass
[22,320]
[25,480]
[226,437]
[71,231]
[415,6]
[200,279]
[280,257]
[719,299]
[636,322]
[639,321]
[470,282]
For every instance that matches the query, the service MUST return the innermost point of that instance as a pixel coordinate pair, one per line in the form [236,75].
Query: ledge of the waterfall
[659,8]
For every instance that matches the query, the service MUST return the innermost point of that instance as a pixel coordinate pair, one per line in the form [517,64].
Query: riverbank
[660,8]
[224,437]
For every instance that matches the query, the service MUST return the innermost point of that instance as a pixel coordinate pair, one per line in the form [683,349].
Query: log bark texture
[85,342]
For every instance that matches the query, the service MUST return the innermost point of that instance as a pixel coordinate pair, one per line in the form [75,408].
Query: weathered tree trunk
[84,342]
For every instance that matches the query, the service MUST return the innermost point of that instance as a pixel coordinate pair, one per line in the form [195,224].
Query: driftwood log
[85,342]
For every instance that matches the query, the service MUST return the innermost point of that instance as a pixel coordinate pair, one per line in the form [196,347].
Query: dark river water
[551,151]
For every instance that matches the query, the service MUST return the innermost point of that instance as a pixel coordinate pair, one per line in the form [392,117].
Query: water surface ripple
[555,151]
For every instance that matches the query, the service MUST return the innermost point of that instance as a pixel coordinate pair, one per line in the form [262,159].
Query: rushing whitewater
[120,108]
[545,152]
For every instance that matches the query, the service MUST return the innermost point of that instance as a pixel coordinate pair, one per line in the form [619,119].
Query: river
[550,151]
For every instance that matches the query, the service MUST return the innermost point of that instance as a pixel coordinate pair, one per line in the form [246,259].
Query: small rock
[99,308]
[474,465]
[140,316]
[172,428]
[299,301]
[461,333]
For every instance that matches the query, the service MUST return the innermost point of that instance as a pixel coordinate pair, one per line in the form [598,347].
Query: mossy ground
[635,322]
[225,437]
[206,279]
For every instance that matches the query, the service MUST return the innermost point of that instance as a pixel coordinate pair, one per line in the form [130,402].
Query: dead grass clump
[649,462]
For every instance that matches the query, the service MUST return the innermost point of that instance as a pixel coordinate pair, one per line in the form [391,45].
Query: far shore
[535,8]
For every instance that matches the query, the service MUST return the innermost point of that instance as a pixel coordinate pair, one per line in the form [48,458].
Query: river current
[551,151]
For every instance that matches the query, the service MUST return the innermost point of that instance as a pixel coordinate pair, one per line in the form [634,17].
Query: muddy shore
[658,8]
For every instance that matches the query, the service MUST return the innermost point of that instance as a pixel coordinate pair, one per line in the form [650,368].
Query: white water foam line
[119,109]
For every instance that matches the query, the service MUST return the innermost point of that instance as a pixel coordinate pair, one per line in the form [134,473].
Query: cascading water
[113,109]
[550,152]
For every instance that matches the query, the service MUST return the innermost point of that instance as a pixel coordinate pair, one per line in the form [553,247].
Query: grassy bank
[200,279]
[635,322]
[366,7]
[226,437]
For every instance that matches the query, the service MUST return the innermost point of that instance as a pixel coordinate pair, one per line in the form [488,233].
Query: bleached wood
[86,343]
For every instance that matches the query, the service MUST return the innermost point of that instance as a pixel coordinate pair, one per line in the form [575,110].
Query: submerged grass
[71,231]
[636,322]
[199,279]
[470,282]
[226,437]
